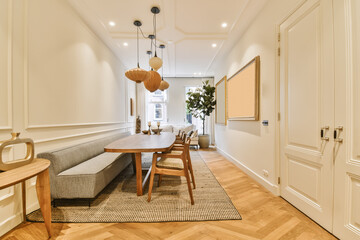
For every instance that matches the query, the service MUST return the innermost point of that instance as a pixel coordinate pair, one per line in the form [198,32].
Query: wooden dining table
[139,143]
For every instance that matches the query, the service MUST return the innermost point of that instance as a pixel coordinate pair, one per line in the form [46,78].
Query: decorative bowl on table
[155,130]
[145,131]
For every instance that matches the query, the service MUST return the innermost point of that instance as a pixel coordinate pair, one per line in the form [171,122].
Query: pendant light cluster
[152,79]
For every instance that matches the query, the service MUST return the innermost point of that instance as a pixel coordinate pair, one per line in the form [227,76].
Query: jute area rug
[118,202]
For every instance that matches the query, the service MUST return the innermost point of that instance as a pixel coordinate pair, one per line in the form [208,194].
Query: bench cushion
[93,165]
[69,157]
[87,180]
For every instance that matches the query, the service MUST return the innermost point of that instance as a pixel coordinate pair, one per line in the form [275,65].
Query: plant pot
[204,141]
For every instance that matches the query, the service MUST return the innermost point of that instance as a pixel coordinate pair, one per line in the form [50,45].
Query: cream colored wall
[249,144]
[59,85]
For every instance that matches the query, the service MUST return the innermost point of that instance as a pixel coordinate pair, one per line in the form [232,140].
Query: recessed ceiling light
[195,73]
[111,23]
[213,45]
[125,44]
[224,25]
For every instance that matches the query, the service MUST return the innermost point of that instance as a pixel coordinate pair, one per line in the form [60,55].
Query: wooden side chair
[172,164]
[178,150]
[180,139]
[179,135]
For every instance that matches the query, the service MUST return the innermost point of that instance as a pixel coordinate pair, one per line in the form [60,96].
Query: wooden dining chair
[178,150]
[172,164]
[179,135]
[180,140]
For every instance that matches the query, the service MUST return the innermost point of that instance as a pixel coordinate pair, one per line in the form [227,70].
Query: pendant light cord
[154,23]
[162,69]
[137,46]
[145,37]
[151,45]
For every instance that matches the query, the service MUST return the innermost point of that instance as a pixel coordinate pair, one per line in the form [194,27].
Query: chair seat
[172,163]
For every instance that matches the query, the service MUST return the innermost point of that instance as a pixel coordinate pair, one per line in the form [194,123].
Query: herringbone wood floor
[264,217]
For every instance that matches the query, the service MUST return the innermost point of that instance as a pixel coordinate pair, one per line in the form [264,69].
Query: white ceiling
[188,28]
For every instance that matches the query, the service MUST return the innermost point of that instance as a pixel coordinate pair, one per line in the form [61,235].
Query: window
[190,119]
[157,106]
[158,112]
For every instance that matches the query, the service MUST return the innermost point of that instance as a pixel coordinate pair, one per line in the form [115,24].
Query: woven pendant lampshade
[155,62]
[153,83]
[164,85]
[137,74]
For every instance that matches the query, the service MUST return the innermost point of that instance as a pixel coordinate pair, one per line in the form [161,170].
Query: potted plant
[200,104]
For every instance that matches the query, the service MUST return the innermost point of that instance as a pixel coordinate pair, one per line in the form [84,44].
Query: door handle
[337,132]
[323,133]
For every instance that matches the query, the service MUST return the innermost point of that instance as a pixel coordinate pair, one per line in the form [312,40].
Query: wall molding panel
[7,195]
[26,64]
[108,68]
[9,67]
[77,135]
[72,125]
[10,223]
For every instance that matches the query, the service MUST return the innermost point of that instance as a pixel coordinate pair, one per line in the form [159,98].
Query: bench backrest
[65,158]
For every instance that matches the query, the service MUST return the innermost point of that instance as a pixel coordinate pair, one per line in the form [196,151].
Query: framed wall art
[243,92]
[220,107]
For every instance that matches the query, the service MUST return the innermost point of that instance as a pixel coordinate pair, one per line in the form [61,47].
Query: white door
[307,107]
[347,109]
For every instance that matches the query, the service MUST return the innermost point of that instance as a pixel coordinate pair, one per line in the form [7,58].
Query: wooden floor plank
[265,216]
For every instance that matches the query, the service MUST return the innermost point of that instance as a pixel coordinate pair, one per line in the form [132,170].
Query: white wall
[59,85]
[249,144]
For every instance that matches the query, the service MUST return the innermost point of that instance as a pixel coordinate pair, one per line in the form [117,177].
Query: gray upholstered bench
[83,170]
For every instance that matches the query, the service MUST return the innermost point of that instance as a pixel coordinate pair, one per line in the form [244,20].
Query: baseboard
[10,223]
[268,185]
[13,221]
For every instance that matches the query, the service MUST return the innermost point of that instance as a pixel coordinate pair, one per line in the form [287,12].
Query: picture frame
[221,102]
[243,92]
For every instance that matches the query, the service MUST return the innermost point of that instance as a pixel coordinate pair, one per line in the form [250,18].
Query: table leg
[23,189]
[43,194]
[138,174]
[133,162]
